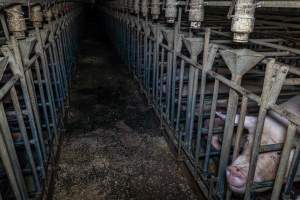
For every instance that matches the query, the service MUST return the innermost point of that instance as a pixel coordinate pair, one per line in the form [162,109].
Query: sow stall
[37,60]
[193,69]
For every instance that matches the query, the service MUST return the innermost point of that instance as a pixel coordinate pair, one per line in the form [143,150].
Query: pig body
[274,132]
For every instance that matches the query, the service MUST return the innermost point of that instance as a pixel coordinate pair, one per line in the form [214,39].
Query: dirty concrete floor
[113,148]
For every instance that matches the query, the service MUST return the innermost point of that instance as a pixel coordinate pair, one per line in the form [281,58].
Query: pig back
[292,106]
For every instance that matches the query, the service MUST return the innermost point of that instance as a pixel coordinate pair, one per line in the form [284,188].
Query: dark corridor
[113,147]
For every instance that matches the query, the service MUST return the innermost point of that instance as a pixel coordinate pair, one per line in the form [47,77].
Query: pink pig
[274,132]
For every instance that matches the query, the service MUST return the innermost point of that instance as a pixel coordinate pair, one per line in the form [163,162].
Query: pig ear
[250,121]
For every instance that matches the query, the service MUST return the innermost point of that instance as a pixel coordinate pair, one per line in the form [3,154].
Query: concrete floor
[113,148]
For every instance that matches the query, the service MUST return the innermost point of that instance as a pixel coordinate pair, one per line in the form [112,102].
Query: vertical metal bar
[155,63]
[211,124]
[8,165]
[176,49]
[58,64]
[47,80]
[284,161]
[169,80]
[188,106]
[58,71]
[33,120]
[9,157]
[55,78]
[150,67]
[23,131]
[4,27]
[33,100]
[207,65]
[228,132]
[293,170]
[240,128]
[137,59]
[42,96]
[179,106]
[195,81]
[159,62]
[145,59]
[274,78]
[239,134]
[63,64]
[162,66]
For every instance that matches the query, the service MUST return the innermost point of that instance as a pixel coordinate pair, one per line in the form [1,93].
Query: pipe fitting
[196,13]
[243,20]
[136,6]
[124,5]
[127,8]
[37,16]
[131,7]
[155,9]
[49,14]
[145,8]
[16,21]
[55,11]
[171,11]
[62,9]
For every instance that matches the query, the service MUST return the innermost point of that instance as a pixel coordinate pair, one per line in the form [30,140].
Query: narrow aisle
[113,148]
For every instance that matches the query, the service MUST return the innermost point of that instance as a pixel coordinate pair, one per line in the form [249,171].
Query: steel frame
[35,81]
[157,56]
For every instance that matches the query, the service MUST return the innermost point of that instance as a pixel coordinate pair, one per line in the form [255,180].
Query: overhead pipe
[196,13]
[155,9]
[243,20]
[144,8]
[16,21]
[136,6]
[37,16]
[171,11]
[131,6]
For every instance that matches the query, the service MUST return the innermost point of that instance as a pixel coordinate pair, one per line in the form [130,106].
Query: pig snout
[236,178]
[237,172]
[274,132]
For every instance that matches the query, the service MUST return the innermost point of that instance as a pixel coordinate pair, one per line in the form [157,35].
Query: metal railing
[188,78]
[35,79]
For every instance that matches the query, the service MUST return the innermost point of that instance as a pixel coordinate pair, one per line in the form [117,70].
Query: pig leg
[215,141]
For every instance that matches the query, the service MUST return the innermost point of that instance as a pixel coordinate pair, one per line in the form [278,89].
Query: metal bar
[23,131]
[179,107]
[8,85]
[211,125]
[284,161]
[271,90]
[10,159]
[260,4]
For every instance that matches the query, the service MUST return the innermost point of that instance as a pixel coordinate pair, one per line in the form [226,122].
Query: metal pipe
[16,21]
[37,16]
[145,8]
[155,9]
[196,13]
[171,11]
[243,20]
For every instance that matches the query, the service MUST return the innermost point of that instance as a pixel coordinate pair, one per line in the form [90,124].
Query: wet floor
[113,147]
